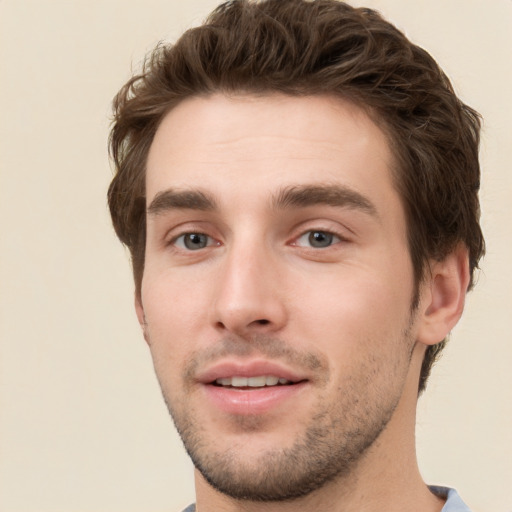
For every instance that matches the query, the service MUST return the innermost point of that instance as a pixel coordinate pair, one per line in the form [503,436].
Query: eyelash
[331,237]
[174,241]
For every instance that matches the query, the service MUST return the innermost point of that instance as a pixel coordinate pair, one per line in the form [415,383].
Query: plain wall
[82,423]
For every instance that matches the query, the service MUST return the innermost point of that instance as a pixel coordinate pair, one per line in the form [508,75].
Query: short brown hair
[301,47]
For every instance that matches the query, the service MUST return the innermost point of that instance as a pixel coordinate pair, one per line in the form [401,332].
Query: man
[297,184]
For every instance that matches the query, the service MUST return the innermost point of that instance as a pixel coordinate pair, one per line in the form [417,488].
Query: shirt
[453,503]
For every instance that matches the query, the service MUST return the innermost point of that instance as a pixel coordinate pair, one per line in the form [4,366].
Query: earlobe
[444,293]
[139,309]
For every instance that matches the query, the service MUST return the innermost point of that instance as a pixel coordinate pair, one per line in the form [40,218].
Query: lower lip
[251,401]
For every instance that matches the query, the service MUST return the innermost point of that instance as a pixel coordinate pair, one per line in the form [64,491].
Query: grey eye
[317,239]
[192,241]
[320,239]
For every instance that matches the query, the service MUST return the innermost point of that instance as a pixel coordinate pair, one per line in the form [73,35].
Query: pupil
[320,239]
[195,241]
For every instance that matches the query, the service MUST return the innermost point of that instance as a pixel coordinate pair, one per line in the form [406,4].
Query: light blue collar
[453,503]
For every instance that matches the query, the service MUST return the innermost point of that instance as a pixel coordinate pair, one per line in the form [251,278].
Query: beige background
[82,424]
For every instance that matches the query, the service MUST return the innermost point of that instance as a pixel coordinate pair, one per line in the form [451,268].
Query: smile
[252,382]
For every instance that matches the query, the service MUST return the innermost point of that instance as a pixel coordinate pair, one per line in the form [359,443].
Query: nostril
[263,322]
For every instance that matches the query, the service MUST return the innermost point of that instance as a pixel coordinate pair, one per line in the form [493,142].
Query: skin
[256,290]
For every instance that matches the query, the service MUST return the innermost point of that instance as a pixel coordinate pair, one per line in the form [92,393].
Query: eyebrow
[297,196]
[302,196]
[172,199]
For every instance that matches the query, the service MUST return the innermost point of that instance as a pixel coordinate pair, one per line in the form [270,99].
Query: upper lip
[227,369]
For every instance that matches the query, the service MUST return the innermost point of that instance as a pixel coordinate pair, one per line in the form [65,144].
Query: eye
[193,241]
[317,239]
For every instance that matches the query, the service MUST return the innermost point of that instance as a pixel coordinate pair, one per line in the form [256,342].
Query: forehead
[249,145]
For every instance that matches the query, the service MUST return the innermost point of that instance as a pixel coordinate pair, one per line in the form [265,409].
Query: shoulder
[190,508]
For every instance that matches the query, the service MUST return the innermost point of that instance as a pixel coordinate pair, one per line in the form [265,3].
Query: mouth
[250,375]
[252,387]
[262,381]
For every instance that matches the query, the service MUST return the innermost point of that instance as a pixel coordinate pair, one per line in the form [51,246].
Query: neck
[385,479]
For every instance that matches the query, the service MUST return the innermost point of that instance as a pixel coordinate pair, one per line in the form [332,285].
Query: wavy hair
[322,47]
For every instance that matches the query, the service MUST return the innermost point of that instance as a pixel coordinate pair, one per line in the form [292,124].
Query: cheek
[173,301]
[353,294]
[356,314]
[174,310]
[362,334]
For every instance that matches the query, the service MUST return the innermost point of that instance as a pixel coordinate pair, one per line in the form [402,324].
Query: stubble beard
[334,442]
[329,449]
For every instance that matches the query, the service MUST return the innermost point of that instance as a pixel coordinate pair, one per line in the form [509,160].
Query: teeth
[272,381]
[239,382]
[252,382]
[256,382]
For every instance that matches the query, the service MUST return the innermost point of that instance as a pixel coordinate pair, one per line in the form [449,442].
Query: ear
[443,296]
[139,309]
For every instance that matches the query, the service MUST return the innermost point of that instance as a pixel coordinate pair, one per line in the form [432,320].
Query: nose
[248,296]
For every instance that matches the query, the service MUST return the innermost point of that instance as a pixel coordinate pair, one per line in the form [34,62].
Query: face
[277,290]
